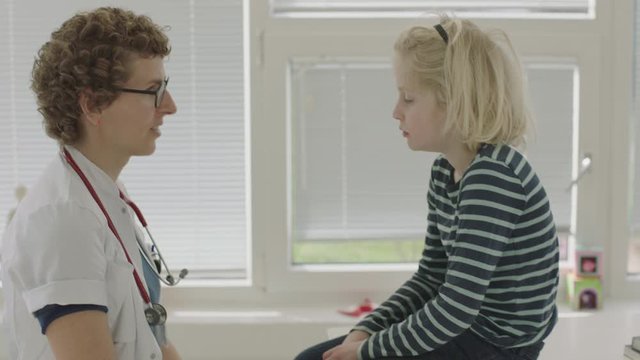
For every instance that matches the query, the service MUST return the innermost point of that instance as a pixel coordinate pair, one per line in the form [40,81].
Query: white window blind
[192,191]
[355,178]
[553,94]
[412,8]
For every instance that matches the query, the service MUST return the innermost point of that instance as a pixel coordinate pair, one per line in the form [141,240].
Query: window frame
[622,284]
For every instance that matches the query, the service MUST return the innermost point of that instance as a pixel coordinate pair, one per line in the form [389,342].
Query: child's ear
[89,110]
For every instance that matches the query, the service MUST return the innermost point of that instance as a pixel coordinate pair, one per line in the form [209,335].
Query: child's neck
[460,157]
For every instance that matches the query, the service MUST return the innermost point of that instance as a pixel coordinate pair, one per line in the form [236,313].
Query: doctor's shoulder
[61,195]
[53,212]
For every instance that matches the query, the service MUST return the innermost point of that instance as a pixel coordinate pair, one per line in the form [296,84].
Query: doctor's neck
[107,159]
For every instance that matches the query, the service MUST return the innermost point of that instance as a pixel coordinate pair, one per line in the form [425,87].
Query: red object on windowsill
[365,307]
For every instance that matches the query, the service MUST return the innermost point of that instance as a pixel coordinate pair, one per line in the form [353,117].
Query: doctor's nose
[168,106]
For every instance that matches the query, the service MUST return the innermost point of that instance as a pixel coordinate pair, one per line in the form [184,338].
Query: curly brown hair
[90,51]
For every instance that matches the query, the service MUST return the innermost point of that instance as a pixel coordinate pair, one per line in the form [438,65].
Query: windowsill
[270,333]
[262,315]
[330,315]
[282,332]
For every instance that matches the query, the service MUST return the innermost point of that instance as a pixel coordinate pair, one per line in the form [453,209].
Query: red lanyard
[76,168]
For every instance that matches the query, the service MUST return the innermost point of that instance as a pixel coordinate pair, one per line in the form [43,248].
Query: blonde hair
[478,81]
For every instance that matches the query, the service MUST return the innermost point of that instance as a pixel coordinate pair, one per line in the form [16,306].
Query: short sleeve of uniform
[61,258]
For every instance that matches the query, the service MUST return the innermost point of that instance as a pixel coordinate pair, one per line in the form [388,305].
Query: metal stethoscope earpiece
[182,275]
[169,280]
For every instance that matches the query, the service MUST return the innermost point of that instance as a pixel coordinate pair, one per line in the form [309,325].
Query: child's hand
[346,351]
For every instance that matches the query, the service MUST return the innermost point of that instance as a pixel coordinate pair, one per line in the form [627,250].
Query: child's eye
[407,100]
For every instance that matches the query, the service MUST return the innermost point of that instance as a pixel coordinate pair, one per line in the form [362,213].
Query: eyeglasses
[159,93]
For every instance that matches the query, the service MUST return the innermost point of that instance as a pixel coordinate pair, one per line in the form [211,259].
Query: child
[486,285]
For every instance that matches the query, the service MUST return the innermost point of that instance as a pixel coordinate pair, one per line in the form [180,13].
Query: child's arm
[488,210]
[422,286]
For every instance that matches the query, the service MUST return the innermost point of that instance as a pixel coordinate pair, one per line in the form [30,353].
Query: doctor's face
[131,124]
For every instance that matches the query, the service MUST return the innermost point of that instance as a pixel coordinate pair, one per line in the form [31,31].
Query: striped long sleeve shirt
[490,263]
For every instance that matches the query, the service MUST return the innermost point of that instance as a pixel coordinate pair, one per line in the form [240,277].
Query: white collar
[100,181]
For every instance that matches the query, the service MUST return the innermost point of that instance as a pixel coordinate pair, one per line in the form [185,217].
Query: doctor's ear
[88,107]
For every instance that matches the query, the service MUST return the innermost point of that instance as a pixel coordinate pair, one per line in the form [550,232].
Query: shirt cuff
[66,292]
[47,314]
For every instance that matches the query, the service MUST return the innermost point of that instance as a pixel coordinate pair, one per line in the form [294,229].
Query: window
[192,191]
[553,89]
[358,191]
[329,99]
[578,84]
[359,195]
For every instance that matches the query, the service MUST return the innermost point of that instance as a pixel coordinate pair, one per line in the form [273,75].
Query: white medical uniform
[58,249]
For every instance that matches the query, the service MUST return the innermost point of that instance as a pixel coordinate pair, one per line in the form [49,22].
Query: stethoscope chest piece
[156,314]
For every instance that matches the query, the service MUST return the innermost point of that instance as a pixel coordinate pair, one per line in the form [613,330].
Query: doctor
[72,274]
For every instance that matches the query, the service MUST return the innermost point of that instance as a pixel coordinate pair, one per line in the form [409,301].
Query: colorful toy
[588,263]
[584,283]
[584,292]
[365,307]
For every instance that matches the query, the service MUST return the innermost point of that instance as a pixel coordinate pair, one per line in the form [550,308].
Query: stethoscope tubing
[67,156]
[170,279]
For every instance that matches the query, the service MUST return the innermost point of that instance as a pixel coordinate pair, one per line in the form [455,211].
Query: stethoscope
[155,313]
[169,280]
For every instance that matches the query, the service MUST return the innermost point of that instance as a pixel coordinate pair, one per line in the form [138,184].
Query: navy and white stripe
[490,262]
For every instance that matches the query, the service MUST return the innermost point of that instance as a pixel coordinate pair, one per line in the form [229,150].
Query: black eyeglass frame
[159,93]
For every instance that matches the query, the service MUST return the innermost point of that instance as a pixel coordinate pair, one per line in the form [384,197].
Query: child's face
[422,119]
